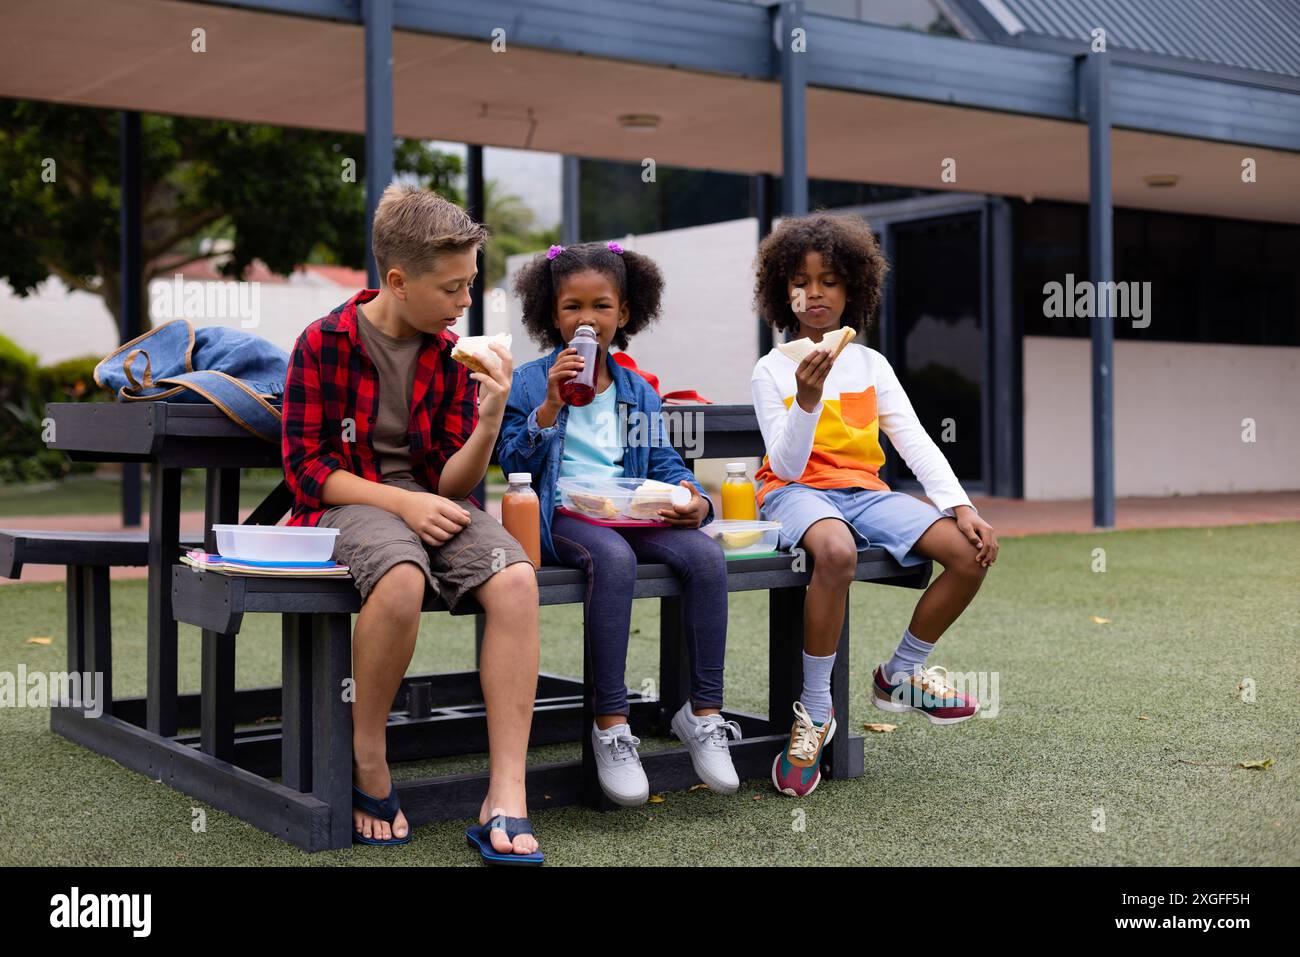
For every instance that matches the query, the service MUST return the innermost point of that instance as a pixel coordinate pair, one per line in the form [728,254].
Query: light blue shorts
[889,520]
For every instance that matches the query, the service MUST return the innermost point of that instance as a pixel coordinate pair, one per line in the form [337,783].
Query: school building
[1026,163]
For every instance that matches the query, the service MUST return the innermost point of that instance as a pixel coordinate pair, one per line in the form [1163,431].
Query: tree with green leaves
[283,196]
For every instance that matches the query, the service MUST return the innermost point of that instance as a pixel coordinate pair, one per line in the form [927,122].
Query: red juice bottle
[581,389]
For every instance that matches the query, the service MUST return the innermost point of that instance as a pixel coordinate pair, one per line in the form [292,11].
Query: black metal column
[1101,269]
[764,197]
[476,206]
[570,206]
[378,16]
[131,271]
[794,113]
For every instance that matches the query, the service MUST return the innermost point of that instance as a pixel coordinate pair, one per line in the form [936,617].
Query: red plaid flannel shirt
[331,400]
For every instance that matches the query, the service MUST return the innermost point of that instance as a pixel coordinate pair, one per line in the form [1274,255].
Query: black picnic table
[231,766]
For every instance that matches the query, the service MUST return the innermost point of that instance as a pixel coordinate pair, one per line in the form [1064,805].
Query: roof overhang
[884,105]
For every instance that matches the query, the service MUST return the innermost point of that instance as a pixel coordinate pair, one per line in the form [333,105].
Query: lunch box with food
[744,536]
[614,499]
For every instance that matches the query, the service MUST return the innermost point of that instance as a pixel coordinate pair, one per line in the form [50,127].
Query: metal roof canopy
[1256,42]
[880,101]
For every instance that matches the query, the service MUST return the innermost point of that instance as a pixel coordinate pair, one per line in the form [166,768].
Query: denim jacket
[525,447]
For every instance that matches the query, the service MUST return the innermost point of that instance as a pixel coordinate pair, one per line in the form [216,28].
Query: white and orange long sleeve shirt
[837,444]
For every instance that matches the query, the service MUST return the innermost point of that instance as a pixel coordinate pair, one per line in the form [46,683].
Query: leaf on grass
[698,787]
[1098,620]
[881,728]
[1143,717]
[657,799]
[1256,765]
[38,640]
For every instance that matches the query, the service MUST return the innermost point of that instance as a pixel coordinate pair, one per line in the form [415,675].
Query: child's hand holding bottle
[567,365]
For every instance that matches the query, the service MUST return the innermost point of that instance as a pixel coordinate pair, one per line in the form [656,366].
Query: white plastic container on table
[276,543]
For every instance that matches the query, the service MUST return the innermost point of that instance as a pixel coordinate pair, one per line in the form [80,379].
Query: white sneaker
[706,742]
[619,766]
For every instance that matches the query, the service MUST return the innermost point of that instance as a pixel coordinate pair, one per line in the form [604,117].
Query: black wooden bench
[440,715]
[301,732]
[87,556]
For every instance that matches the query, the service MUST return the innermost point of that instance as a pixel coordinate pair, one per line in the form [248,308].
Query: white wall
[58,323]
[1178,418]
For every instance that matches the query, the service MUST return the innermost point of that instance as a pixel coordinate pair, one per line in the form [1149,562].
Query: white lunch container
[276,543]
[739,536]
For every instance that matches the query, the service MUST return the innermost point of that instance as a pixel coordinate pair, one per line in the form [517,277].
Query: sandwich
[799,349]
[651,496]
[474,352]
[597,506]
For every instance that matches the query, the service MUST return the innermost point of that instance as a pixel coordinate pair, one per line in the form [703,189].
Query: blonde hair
[414,225]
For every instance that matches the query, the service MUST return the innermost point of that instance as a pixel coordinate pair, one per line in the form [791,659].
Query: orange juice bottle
[521,515]
[738,493]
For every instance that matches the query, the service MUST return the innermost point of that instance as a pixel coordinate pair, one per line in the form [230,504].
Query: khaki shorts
[372,540]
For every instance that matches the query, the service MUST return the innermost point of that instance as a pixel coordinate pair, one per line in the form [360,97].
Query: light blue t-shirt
[592,448]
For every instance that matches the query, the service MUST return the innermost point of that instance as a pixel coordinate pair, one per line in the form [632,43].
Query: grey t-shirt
[395,360]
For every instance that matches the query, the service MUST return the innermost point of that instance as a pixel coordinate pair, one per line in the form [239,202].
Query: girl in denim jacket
[617,293]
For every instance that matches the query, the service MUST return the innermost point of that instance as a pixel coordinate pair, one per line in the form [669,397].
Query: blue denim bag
[238,372]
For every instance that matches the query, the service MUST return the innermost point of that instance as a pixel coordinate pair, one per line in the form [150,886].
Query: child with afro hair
[821,419]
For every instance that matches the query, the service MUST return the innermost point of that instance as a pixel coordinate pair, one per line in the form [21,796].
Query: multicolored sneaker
[927,692]
[798,769]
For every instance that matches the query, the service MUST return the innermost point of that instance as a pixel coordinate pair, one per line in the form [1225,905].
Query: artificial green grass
[1192,613]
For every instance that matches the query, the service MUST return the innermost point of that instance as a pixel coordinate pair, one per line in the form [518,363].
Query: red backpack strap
[686,395]
[627,362]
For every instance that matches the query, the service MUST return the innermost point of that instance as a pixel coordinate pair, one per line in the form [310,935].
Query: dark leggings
[609,557]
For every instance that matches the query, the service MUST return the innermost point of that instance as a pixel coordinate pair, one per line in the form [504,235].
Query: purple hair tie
[614,248]
[554,251]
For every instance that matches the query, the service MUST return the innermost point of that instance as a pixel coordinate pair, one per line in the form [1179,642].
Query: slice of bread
[799,349]
[473,351]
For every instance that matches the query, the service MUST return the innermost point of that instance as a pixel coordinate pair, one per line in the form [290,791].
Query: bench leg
[217,697]
[164,543]
[76,602]
[784,655]
[837,760]
[97,644]
[332,693]
[674,666]
[90,627]
[295,702]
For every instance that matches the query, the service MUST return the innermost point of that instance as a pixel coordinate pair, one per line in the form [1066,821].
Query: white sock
[908,657]
[816,696]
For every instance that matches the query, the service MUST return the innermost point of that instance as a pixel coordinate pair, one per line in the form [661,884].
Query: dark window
[940,338]
[1211,280]
[615,201]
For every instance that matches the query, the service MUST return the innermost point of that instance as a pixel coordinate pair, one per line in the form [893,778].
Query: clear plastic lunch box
[744,536]
[614,498]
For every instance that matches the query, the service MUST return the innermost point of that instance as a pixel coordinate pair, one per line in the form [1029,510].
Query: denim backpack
[238,372]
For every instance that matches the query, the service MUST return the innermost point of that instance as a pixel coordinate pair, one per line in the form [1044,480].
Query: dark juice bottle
[581,389]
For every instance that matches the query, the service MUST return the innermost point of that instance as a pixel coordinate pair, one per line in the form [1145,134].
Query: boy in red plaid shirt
[384,438]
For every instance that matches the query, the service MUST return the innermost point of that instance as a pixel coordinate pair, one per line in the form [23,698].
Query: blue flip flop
[480,836]
[385,810]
